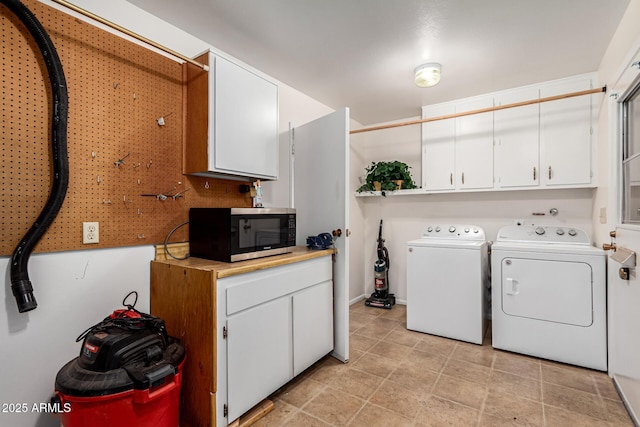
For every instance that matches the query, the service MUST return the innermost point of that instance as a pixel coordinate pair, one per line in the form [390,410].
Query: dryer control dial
[559,231]
[572,232]
[429,229]
[438,229]
[539,231]
[452,229]
[466,230]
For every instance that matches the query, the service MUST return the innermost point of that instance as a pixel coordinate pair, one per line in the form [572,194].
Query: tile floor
[397,377]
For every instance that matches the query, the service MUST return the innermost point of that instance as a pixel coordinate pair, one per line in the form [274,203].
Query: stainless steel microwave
[237,234]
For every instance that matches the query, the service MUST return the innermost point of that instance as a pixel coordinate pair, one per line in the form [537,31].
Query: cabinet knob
[609,246]
[612,233]
[337,233]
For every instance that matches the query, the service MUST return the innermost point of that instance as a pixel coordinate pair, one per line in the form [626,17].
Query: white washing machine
[549,295]
[447,282]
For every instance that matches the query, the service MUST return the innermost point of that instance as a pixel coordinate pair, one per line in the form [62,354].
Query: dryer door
[555,291]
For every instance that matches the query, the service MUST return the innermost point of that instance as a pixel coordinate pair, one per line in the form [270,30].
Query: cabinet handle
[549,172]
[463,177]
[534,173]
[451,178]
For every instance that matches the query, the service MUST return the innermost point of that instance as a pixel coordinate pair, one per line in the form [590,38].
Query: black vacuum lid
[75,380]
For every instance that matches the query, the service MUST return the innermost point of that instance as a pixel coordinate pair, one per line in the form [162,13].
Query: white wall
[74,291]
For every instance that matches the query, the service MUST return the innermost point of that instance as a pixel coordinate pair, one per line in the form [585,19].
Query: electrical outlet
[90,233]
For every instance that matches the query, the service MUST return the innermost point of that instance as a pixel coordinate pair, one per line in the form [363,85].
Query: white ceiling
[361,53]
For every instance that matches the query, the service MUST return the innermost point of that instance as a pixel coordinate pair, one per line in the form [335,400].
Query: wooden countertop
[226,269]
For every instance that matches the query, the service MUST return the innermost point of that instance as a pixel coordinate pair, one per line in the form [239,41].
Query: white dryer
[447,282]
[549,295]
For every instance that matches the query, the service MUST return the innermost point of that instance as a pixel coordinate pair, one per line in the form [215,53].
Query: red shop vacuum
[129,373]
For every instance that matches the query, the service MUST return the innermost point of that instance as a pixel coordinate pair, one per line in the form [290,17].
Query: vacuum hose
[20,283]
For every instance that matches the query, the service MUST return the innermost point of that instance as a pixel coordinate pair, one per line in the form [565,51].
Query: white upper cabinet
[438,149]
[517,145]
[474,146]
[535,145]
[231,121]
[565,134]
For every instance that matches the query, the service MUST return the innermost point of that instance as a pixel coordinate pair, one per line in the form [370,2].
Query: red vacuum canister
[128,373]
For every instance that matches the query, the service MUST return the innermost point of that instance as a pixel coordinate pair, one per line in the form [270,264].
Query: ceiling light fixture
[428,74]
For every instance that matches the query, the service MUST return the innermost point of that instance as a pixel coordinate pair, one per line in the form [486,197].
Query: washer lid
[458,232]
[542,234]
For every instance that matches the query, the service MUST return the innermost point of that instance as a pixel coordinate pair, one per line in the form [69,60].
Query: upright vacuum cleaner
[381,297]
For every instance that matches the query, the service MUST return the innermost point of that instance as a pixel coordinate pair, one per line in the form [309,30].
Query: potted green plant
[387,176]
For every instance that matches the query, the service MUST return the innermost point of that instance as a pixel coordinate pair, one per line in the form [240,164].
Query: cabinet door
[259,352]
[474,146]
[565,134]
[312,325]
[438,152]
[516,134]
[246,123]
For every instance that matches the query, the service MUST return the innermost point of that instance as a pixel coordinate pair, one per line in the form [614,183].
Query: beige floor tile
[504,409]
[375,416]
[605,386]
[398,312]
[426,360]
[396,398]
[467,371]
[479,354]
[574,400]
[506,383]
[390,350]
[298,393]
[560,375]
[414,378]
[386,322]
[404,337]
[300,419]
[460,391]
[524,366]
[375,365]
[327,370]
[334,407]
[436,345]
[360,308]
[437,412]
[617,413]
[358,383]
[361,342]
[375,331]
[558,417]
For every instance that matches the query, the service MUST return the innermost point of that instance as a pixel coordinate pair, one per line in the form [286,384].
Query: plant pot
[377,186]
[398,183]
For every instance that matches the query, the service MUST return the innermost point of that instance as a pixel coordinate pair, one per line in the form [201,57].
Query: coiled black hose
[20,283]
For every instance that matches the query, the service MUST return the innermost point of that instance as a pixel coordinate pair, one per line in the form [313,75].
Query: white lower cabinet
[312,325]
[259,354]
[274,323]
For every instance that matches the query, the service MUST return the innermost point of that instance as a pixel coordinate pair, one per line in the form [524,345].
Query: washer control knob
[452,229]
[559,231]
[466,230]
[572,232]
[475,230]
[429,229]
[438,229]
[539,231]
